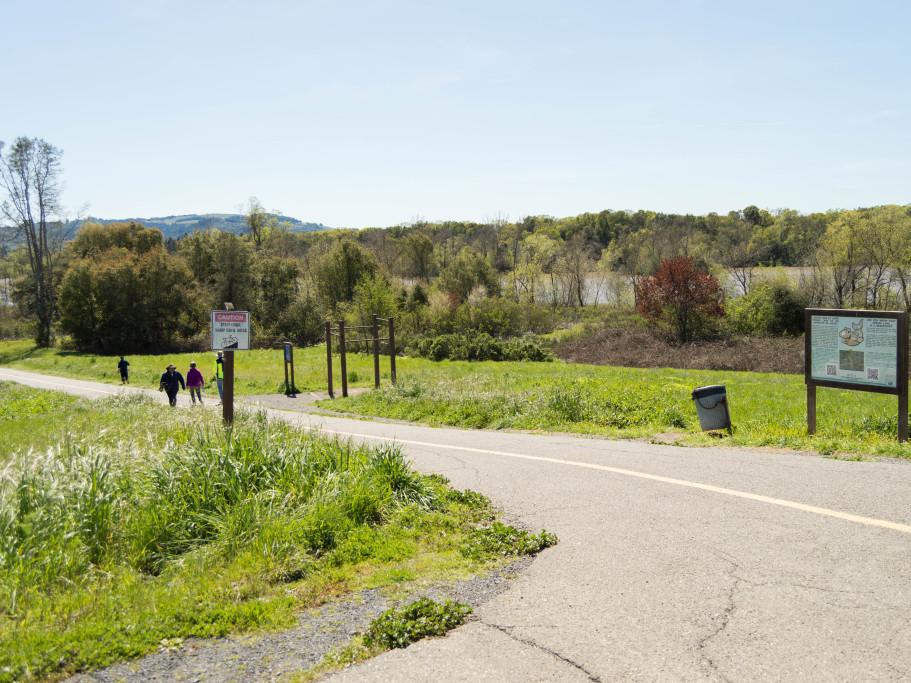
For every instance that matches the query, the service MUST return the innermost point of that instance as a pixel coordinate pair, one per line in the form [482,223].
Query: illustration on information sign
[854,350]
[854,335]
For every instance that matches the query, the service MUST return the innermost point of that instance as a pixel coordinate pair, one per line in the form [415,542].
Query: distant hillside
[178,226]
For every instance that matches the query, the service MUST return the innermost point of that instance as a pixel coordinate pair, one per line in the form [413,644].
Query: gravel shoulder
[318,632]
[275,656]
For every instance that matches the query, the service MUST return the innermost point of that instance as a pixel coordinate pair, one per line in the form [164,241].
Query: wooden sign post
[230,332]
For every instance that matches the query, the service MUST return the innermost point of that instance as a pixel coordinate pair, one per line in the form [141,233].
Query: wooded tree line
[123,287]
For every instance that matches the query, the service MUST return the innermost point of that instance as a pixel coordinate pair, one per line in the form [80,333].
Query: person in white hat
[171,383]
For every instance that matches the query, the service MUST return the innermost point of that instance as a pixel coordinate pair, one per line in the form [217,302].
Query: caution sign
[231,330]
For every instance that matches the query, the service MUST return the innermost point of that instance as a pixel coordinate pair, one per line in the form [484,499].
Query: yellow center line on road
[826,512]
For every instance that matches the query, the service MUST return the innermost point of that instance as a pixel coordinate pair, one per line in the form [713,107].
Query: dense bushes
[478,346]
[772,309]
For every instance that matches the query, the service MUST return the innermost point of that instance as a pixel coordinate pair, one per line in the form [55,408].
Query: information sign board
[860,350]
[230,330]
[856,349]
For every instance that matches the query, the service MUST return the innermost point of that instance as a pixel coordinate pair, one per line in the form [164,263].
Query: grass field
[768,410]
[126,526]
[256,372]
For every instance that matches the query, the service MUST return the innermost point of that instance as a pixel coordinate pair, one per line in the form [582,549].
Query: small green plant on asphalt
[500,539]
[399,627]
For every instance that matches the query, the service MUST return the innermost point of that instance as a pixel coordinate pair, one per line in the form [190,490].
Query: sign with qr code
[859,349]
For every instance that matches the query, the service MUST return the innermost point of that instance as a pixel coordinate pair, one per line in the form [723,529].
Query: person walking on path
[172,382]
[194,383]
[220,374]
[124,366]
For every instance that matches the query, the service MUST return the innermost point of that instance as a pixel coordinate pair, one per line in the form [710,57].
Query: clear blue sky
[358,114]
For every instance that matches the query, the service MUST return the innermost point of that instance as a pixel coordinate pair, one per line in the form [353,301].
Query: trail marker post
[289,361]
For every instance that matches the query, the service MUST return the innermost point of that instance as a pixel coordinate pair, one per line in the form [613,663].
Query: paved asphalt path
[673,563]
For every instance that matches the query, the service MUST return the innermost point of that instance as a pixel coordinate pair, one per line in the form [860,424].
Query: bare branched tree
[30,177]
[257,221]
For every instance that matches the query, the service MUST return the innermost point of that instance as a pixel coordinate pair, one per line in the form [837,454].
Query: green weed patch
[500,539]
[140,525]
[399,627]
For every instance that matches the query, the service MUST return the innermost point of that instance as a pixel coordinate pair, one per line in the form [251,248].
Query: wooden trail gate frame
[375,340]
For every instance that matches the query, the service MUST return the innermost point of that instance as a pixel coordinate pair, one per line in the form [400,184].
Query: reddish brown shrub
[682,297]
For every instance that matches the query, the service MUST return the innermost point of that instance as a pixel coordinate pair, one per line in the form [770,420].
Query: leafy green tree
[839,256]
[773,309]
[233,279]
[574,266]
[468,271]
[302,321]
[277,287]
[123,300]
[416,250]
[338,273]
[198,249]
[257,221]
[95,238]
[733,246]
[884,236]
[373,295]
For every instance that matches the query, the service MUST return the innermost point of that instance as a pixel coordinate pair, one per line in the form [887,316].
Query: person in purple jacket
[194,383]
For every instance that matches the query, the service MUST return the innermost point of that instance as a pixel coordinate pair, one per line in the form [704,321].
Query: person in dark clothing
[171,383]
[124,366]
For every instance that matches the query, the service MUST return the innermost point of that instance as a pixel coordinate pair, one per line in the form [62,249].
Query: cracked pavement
[655,580]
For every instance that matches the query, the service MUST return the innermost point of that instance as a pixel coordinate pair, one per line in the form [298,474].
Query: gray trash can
[712,408]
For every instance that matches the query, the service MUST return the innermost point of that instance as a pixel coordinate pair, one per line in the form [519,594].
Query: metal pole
[227,408]
[391,351]
[329,357]
[341,343]
[376,353]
